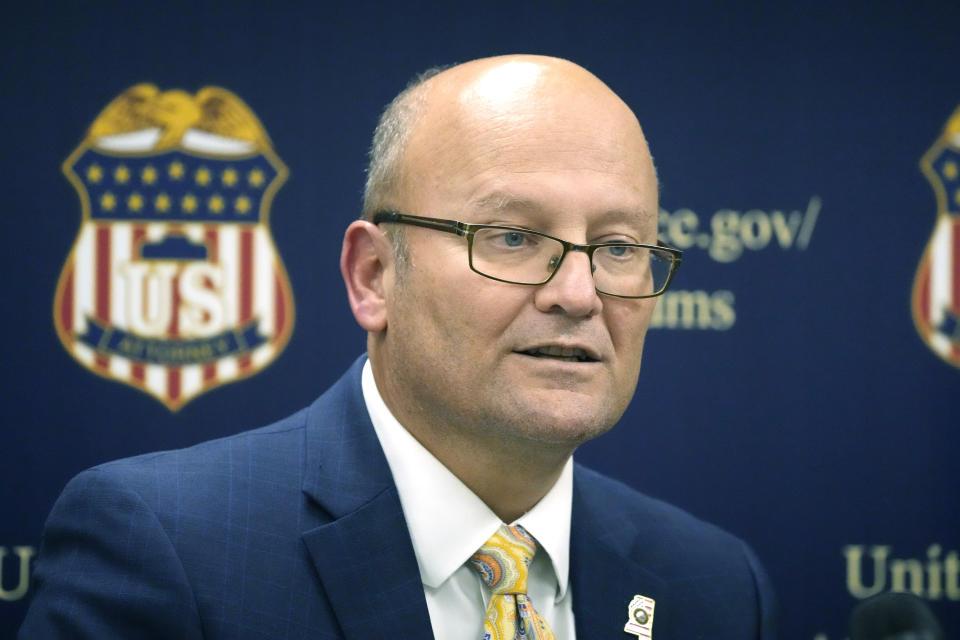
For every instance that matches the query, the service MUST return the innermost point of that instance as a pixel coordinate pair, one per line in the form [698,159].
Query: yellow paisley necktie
[502,563]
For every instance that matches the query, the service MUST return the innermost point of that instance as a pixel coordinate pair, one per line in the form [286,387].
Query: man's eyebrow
[500,201]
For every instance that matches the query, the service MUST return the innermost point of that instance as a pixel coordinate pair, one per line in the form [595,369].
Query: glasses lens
[632,271]
[515,255]
[526,257]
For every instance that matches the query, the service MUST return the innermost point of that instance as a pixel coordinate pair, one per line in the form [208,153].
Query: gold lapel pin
[640,617]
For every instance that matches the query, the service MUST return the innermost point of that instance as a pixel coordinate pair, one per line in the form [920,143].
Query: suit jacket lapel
[364,556]
[603,576]
[369,572]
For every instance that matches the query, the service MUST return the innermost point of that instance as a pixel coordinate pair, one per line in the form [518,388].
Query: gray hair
[386,156]
[389,141]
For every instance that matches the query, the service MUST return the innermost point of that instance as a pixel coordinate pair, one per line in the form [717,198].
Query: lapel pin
[640,617]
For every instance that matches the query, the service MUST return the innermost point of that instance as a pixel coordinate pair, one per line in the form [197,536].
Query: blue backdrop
[787,393]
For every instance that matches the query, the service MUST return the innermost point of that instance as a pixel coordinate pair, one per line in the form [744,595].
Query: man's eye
[510,239]
[514,238]
[507,241]
[620,252]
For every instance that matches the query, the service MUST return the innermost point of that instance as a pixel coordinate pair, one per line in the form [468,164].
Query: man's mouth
[565,354]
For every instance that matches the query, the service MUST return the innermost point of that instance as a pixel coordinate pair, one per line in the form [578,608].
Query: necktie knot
[503,563]
[504,560]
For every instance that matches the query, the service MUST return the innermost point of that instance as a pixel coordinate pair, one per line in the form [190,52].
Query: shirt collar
[447,521]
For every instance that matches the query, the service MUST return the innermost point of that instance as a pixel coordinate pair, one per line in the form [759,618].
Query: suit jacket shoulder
[269,533]
[707,583]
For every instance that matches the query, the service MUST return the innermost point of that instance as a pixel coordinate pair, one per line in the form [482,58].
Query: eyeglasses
[521,256]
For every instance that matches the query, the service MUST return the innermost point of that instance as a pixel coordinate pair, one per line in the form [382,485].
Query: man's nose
[571,289]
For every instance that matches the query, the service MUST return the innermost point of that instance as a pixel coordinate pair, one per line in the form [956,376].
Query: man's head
[525,141]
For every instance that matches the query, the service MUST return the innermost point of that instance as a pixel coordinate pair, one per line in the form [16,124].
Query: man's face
[468,354]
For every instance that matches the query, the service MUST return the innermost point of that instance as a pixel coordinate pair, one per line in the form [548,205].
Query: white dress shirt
[448,523]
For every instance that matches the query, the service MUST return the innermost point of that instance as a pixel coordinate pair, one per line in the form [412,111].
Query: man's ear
[364,261]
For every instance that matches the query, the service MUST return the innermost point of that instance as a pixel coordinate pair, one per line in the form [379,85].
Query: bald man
[505,269]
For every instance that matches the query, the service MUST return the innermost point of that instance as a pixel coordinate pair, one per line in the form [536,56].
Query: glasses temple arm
[450,226]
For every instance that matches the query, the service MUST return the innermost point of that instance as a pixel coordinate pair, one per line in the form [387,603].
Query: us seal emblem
[174,285]
[936,288]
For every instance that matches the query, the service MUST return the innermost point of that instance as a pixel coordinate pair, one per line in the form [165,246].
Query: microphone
[894,616]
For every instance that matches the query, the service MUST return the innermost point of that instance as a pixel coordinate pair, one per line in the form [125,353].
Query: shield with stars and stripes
[174,284]
[936,288]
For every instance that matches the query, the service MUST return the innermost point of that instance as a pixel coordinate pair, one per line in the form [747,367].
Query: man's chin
[562,422]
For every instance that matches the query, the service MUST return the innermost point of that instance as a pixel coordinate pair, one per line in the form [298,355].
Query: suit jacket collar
[603,572]
[345,465]
[363,556]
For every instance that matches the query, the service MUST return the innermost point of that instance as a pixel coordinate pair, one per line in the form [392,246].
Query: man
[505,270]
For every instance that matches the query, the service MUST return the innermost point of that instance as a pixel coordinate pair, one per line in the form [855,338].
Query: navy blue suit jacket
[295,530]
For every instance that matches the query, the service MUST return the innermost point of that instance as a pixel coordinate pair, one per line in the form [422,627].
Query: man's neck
[508,473]
[510,480]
